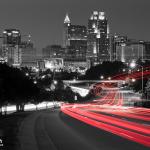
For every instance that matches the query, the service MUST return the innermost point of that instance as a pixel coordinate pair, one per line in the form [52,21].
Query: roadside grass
[9,127]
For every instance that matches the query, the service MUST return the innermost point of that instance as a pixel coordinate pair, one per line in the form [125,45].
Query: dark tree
[16,87]
[106,69]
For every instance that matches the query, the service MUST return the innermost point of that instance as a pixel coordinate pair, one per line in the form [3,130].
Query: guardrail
[30,107]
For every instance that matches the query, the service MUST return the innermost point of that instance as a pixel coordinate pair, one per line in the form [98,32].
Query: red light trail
[109,114]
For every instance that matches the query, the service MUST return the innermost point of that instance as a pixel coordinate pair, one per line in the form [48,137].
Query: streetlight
[133,80]
[123,70]
[35,82]
[53,85]
[109,78]
[55,82]
[27,74]
[133,65]
[101,77]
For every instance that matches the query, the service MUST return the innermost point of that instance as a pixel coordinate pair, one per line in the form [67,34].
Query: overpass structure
[93,81]
[84,91]
[81,91]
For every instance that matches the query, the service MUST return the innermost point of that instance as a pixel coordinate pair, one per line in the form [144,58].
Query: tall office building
[28,54]
[147,50]
[11,52]
[53,51]
[75,38]
[15,52]
[67,24]
[115,41]
[98,37]
[129,51]
[11,55]
[11,37]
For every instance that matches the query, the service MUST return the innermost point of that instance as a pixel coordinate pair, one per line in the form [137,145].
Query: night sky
[43,19]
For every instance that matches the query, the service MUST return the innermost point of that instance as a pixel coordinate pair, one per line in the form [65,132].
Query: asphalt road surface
[53,130]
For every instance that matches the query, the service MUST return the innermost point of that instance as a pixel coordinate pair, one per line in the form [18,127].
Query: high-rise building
[11,52]
[147,50]
[67,24]
[98,37]
[130,51]
[28,54]
[11,37]
[15,52]
[75,38]
[53,51]
[13,55]
[92,36]
[114,42]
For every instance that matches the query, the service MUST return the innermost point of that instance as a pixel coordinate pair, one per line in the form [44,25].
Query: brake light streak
[142,139]
[109,114]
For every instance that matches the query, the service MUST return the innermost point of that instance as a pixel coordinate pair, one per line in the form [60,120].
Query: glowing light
[101,15]
[54,63]
[55,82]
[98,34]
[93,26]
[81,91]
[123,70]
[15,32]
[133,64]
[90,119]
[133,80]
[91,17]
[96,30]
[35,82]
[36,69]
[94,49]
[67,20]
[101,77]
[109,78]
[108,30]
[43,77]
[95,17]
[96,114]
[95,12]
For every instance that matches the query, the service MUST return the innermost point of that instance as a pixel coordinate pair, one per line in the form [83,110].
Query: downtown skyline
[44,19]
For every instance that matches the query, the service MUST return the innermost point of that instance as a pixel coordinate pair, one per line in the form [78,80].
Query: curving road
[53,130]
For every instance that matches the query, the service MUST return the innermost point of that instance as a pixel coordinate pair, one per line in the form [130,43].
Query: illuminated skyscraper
[67,24]
[75,38]
[130,51]
[115,41]
[11,52]
[92,33]
[28,54]
[147,50]
[98,37]
[53,51]
[11,37]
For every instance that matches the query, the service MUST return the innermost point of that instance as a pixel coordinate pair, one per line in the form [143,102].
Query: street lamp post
[142,78]
[133,65]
